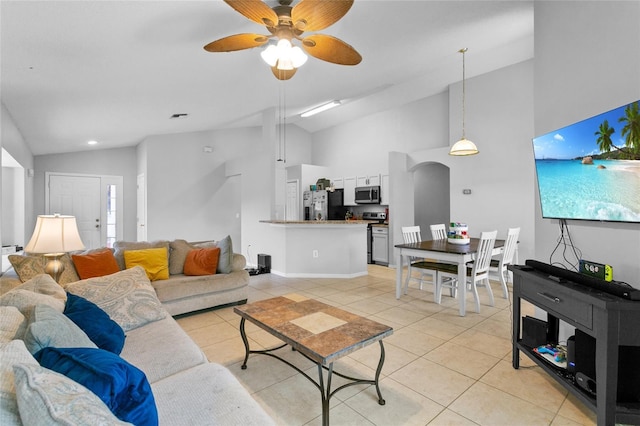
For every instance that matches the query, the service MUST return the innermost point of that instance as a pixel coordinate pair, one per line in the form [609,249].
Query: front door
[78,196]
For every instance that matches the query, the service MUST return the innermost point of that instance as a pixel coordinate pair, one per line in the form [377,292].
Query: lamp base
[54,266]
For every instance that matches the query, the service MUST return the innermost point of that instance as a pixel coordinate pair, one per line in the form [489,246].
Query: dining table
[442,251]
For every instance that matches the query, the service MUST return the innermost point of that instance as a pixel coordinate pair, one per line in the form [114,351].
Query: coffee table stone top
[322,332]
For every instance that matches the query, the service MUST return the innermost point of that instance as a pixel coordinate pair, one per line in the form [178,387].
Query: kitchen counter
[317,248]
[318,222]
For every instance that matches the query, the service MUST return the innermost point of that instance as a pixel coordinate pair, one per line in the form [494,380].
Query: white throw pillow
[48,327]
[126,296]
[47,398]
[12,323]
[40,290]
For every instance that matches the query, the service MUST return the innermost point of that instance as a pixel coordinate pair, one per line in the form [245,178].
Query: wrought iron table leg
[243,334]
[381,400]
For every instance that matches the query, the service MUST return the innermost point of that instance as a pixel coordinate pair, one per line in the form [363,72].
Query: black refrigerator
[335,208]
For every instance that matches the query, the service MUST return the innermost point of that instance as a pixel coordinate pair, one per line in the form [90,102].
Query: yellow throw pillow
[154,261]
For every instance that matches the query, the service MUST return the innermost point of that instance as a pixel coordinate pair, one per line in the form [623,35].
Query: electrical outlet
[315,253]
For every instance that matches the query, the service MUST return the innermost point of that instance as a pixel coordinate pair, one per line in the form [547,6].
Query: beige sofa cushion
[181,286]
[146,349]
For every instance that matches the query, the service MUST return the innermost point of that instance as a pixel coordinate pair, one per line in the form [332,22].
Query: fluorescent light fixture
[92,143]
[321,108]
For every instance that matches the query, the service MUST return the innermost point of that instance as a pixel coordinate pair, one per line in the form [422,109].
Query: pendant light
[464,146]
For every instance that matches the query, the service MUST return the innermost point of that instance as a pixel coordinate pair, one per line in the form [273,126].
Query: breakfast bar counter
[318,248]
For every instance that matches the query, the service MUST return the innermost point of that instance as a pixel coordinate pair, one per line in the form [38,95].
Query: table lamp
[53,236]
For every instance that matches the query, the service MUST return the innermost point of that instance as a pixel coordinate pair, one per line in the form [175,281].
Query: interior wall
[12,141]
[587,61]
[12,207]
[107,162]
[431,195]
[362,146]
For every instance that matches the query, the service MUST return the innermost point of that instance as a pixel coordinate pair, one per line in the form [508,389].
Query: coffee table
[320,332]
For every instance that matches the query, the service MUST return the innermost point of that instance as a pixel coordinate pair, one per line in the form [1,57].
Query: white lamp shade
[55,234]
[463,147]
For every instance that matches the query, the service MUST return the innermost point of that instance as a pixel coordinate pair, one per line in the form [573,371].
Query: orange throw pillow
[202,261]
[95,264]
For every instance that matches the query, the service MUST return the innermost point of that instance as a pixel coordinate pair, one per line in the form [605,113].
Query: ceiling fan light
[270,55]
[298,57]
[284,64]
[463,147]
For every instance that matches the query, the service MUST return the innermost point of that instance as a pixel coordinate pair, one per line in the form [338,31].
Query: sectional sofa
[178,385]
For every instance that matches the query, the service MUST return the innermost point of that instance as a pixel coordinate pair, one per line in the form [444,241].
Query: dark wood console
[611,320]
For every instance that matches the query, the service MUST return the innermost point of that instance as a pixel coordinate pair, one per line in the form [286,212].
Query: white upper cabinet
[349,191]
[370,180]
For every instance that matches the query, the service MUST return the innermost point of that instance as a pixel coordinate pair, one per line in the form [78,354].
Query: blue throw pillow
[95,322]
[120,385]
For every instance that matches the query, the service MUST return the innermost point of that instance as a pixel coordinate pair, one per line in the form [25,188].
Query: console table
[611,320]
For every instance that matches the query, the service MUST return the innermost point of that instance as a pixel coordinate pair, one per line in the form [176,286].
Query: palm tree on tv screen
[631,129]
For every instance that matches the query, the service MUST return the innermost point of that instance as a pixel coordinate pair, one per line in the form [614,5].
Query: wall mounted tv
[590,170]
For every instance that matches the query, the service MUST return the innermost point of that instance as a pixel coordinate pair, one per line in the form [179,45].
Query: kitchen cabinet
[338,183]
[349,191]
[380,245]
[370,180]
[384,190]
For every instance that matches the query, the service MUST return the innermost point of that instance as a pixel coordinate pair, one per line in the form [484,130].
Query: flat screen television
[590,170]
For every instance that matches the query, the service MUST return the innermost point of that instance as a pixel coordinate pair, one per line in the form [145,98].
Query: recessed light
[92,143]
[179,115]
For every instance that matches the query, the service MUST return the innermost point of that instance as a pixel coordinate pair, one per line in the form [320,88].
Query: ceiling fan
[286,24]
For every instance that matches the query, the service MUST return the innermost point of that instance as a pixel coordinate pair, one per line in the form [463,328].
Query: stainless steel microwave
[368,195]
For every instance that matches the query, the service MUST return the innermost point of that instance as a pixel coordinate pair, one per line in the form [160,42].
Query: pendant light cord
[463,51]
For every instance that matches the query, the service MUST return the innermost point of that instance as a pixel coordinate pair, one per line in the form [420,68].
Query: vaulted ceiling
[116,71]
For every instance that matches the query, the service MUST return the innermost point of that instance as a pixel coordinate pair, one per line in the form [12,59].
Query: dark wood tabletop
[446,247]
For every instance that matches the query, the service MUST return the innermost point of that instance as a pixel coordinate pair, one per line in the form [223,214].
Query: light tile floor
[440,368]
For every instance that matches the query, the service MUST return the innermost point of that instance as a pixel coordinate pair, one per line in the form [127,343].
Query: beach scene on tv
[591,169]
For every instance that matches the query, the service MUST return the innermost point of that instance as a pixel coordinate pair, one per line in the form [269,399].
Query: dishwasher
[380,245]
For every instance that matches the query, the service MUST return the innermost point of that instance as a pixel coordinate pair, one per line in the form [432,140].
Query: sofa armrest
[238,262]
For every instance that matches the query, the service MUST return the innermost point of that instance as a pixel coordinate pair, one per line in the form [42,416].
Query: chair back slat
[438,231]
[483,256]
[411,234]
[510,246]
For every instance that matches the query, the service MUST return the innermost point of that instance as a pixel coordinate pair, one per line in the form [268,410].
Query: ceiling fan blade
[315,15]
[330,49]
[283,74]
[256,10]
[236,42]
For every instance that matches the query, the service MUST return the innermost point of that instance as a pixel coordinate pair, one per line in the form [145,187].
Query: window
[111,215]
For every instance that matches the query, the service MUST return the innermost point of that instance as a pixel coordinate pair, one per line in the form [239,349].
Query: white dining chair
[412,234]
[438,231]
[477,273]
[498,267]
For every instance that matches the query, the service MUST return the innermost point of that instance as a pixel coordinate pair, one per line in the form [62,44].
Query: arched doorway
[431,195]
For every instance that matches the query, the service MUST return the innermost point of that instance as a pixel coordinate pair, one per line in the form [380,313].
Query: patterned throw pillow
[29,266]
[11,353]
[47,398]
[39,290]
[126,296]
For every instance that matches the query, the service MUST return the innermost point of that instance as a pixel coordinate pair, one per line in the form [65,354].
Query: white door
[292,211]
[78,196]
[142,209]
